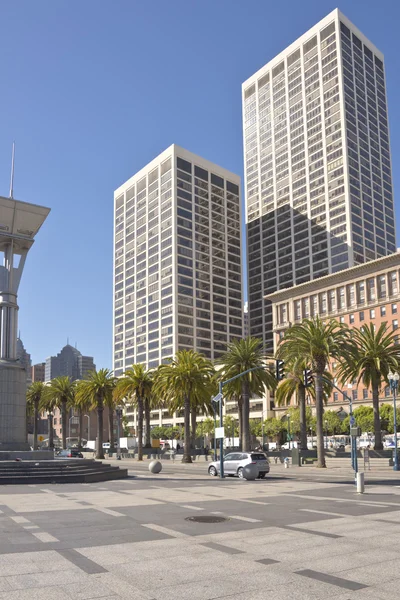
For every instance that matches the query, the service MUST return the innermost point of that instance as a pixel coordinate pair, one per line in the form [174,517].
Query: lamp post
[394,383]
[312,438]
[88,429]
[118,411]
[50,428]
[326,434]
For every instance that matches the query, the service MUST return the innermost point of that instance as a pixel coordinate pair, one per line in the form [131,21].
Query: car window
[236,456]
[228,457]
[258,457]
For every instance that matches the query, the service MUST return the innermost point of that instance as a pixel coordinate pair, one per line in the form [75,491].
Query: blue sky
[93,90]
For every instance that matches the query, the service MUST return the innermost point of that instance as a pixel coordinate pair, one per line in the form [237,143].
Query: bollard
[360,483]
[286,462]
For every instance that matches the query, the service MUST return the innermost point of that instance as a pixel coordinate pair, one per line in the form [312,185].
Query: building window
[361,292]
[314,305]
[365,393]
[394,309]
[341,297]
[351,319]
[332,300]
[335,396]
[371,289]
[383,311]
[382,286]
[393,283]
[306,308]
[361,315]
[297,310]
[354,394]
[323,299]
[395,324]
[387,391]
[351,295]
[396,339]
[372,313]
[342,319]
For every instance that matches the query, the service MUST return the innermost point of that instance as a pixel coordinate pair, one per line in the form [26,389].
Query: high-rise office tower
[177,260]
[69,362]
[318,182]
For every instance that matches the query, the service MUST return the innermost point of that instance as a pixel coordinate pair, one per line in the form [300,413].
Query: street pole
[221,440]
[119,413]
[289,430]
[394,382]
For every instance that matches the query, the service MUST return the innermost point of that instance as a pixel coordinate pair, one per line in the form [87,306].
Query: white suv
[236,461]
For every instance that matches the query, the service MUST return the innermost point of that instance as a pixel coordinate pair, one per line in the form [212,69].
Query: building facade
[318,183]
[38,372]
[70,363]
[177,263]
[364,294]
[24,358]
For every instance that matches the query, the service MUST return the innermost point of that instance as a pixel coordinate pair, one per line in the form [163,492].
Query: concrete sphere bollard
[250,472]
[155,466]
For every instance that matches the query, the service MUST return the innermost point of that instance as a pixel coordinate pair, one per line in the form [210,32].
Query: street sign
[217,398]
[219,432]
[352,421]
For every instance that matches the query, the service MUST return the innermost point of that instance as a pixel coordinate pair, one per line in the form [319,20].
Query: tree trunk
[80,414]
[377,421]
[140,427]
[35,423]
[147,417]
[64,423]
[193,420]
[319,425]
[51,430]
[240,413]
[246,416]
[186,458]
[303,417]
[100,411]
[111,428]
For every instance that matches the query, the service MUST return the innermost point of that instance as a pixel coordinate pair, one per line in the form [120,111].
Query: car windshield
[258,457]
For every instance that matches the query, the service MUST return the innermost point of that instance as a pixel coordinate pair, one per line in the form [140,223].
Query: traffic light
[307,378]
[279,369]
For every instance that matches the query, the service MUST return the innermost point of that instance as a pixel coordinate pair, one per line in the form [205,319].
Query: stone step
[78,471]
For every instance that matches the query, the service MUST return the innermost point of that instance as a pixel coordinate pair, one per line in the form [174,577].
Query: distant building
[69,362]
[38,372]
[25,360]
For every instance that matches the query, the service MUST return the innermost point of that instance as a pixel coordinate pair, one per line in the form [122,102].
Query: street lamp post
[394,383]
[118,411]
[326,434]
[312,438]
[88,429]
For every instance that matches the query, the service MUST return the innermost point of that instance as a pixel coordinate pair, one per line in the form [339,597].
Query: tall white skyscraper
[177,261]
[318,183]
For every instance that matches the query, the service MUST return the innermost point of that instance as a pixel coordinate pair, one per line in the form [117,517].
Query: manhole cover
[207,519]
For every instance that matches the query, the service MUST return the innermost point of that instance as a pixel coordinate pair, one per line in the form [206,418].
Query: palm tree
[48,404]
[316,341]
[82,404]
[293,385]
[34,395]
[96,390]
[62,391]
[186,379]
[135,386]
[368,357]
[243,355]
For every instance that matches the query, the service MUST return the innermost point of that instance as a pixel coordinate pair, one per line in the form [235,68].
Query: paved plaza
[293,535]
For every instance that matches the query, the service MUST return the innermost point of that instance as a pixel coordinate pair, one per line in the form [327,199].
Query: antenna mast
[12,172]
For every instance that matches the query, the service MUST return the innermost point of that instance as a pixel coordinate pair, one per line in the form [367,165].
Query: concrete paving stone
[374,574]
[126,590]
[84,563]
[49,593]
[21,568]
[90,588]
[331,579]
[4,585]
[346,561]
[217,587]
[35,580]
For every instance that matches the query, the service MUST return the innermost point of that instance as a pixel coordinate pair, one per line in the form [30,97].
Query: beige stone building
[367,293]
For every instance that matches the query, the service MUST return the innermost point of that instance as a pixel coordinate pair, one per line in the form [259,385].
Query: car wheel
[240,473]
[212,471]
